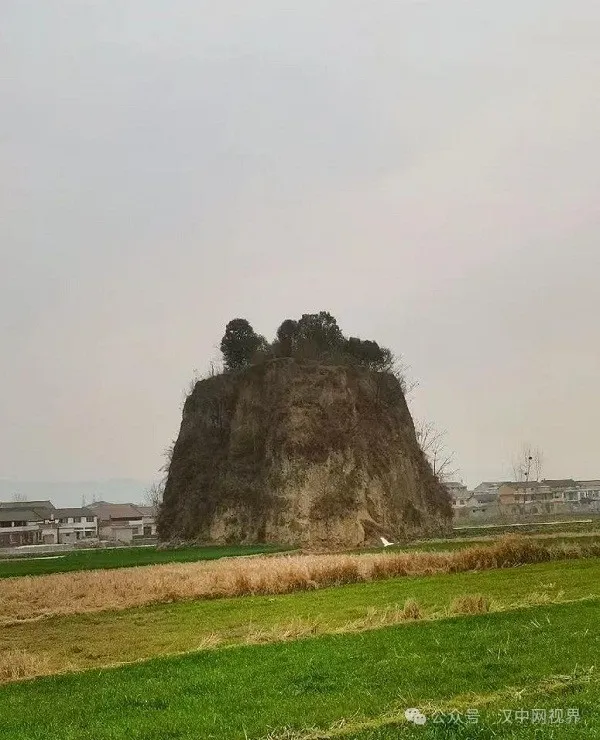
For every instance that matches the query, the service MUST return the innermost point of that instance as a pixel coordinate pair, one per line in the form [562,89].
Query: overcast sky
[428,171]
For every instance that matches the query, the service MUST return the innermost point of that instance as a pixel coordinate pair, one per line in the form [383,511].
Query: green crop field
[354,685]
[575,537]
[123,557]
[108,638]
[319,664]
[497,653]
[573,524]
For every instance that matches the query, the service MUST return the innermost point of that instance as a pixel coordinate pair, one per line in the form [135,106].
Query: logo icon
[415,716]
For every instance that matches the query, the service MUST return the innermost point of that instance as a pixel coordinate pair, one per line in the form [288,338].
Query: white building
[66,526]
[459,494]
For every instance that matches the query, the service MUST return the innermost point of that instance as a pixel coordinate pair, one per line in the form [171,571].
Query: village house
[19,526]
[40,523]
[124,522]
[565,496]
[511,501]
[67,526]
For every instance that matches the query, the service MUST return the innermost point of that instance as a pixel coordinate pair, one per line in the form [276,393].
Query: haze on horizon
[428,172]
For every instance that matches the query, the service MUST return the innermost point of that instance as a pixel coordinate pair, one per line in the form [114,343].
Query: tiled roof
[27,504]
[146,510]
[19,515]
[83,511]
[106,511]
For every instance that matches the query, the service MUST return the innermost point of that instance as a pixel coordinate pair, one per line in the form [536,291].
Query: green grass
[449,544]
[457,544]
[367,679]
[108,638]
[463,527]
[124,557]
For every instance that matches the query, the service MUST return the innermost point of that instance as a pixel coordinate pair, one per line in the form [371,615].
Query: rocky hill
[298,452]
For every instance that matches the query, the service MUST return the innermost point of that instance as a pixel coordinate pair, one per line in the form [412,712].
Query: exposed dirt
[300,453]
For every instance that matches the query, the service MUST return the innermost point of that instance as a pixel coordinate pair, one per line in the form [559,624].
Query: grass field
[574,524]
[360,683]
[109,638]
[125,588]
[470,635]
[123,557]
[459,543]
[127,557]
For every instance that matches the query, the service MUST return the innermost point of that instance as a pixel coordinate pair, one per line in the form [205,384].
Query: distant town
[25,523]
[509,501]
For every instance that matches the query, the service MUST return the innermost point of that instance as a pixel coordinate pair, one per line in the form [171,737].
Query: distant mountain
[72,493]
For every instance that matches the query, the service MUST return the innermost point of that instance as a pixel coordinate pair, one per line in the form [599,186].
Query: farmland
[123,557]
[544,654]
[464,645]
[99,590]
[112,637]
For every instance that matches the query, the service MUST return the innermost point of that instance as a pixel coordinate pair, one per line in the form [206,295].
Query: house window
[64,520]
[89,519]
[77,520]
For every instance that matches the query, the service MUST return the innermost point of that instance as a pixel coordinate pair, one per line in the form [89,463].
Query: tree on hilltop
[240,343]
[286,336]
[318,334]
[368,353]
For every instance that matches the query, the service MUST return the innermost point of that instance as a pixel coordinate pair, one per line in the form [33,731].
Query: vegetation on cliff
[314,336]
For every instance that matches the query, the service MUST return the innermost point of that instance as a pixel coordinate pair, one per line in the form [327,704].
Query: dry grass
[294,630]
[470,604]
[33,597]
[385,617]
[412,610]
[16,665]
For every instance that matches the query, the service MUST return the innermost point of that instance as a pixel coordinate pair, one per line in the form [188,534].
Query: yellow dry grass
[470,604]
[33,597]
[16,665]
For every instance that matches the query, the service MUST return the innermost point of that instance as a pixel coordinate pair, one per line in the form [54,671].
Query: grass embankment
[123,557]
[456,543]
[109,638]
[583,523]
[91,591]
[359,683]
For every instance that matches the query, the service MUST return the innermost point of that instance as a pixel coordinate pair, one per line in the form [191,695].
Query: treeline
[314,336]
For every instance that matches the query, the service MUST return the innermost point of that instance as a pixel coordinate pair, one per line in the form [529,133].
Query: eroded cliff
[300,453]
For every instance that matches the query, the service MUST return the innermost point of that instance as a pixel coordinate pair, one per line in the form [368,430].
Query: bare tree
[19,498]
[528,464]
[433,444]
[401,370]
[153,495]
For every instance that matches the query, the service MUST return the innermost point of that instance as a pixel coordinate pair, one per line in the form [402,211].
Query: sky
[427,171]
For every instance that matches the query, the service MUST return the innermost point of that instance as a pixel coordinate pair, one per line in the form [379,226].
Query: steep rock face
[300,453]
